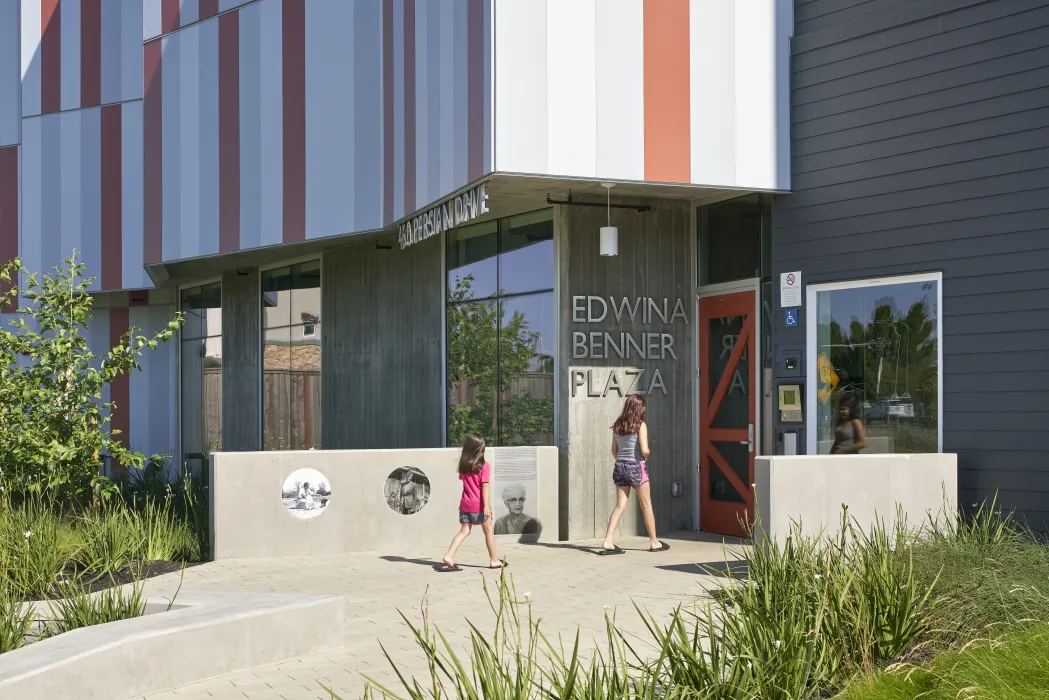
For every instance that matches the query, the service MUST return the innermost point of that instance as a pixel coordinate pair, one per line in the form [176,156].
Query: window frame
[810,375]
[260,272]
[178,363]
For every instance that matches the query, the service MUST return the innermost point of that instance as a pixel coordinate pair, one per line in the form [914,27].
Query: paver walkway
[570,588]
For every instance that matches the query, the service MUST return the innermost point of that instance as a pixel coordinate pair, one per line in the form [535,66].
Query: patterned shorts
[629,473]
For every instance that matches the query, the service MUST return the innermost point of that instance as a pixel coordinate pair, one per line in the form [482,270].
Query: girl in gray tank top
[630,449]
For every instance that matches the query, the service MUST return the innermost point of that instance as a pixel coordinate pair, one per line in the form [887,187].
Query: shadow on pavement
[720,569]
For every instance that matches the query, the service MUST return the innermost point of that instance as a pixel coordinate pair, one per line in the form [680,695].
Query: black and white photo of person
[306,493]
[407,490]
[516,521]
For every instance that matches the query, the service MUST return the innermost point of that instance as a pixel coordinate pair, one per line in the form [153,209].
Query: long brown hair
[471,461]
[633,415]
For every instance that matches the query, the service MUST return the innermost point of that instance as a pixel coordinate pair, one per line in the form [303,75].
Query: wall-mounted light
[609,233]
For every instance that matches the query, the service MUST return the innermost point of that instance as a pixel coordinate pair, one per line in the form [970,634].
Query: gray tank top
[629,450]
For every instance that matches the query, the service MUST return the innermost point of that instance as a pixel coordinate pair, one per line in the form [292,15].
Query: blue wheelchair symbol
[790,317]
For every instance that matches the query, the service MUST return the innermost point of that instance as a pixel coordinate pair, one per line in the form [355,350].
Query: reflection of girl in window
[849,436]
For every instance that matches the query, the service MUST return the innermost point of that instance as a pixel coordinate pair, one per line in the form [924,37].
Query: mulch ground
[93,582]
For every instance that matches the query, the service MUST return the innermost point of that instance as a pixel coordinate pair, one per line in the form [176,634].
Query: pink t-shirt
[472,501]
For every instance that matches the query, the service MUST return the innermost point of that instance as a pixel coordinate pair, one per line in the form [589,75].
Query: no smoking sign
[790,289]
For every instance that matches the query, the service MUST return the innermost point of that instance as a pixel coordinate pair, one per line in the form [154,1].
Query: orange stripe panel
[667,91]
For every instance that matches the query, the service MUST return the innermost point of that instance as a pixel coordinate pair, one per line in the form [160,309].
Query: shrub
[54,423]
[77,607]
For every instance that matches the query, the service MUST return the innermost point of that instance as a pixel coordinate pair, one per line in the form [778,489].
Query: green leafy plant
[55,430]
[77,607]
[37,545]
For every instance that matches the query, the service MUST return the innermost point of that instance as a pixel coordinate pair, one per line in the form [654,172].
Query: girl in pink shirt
[475,507]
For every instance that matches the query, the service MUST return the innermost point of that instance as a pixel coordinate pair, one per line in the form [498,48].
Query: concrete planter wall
[249,518]
[812,490]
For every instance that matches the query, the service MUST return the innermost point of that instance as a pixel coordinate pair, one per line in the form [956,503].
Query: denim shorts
[472,518]
[629,473]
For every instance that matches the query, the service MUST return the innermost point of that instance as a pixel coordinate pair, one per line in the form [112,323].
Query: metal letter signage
[455,211]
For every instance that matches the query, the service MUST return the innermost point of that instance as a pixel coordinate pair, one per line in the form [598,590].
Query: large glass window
[501,332]
[876,365]
[201,369]
[734,239]
[291,357]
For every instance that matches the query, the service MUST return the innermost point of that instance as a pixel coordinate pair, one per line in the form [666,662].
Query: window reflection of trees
[889,362]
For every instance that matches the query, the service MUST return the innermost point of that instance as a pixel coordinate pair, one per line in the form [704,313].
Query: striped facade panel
[164,16]
[285,120]
[680,91]
[79,53]
[10,213]
[81,190]
[10,73]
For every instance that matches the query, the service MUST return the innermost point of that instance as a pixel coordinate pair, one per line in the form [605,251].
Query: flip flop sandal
[445,569]
[608,552]
[504,565]
[663,547]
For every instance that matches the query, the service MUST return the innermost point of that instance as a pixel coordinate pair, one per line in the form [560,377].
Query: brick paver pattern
[570,589]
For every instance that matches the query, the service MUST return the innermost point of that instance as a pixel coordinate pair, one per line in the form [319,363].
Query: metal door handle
[749,442]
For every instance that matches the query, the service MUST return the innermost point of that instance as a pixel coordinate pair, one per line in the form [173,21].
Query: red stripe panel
[90,53]
[229,132]
[169,15]
[153,154]
[409,106]
[112,200]
[293,73]
[208,8]
[9,215]
[667,91]
[50,56]
[120,389]
[475,89]
[388,146]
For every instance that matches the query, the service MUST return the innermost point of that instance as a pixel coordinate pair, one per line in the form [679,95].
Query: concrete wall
[920,134]
[382,353]
[249,519]
[811,490]
[655,260]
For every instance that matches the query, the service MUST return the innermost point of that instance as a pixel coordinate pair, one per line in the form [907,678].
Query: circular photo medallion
[306,493]
[407,490]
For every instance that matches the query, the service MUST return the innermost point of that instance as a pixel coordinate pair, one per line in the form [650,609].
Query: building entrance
[728,387]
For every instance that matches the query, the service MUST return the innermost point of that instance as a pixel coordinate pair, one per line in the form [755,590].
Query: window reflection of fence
[534,385]
[212,407]
[291,403]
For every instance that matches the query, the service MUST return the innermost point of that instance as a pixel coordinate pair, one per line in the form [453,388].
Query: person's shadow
[430,563]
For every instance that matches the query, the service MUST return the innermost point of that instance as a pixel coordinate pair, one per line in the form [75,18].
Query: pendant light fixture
[609,233]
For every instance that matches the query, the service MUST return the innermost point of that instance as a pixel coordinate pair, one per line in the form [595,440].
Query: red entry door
[726,412]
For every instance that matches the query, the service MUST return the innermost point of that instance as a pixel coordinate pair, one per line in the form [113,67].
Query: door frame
[752,284]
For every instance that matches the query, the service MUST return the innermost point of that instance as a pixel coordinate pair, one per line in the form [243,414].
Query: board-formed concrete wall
[812,490]
[249,517]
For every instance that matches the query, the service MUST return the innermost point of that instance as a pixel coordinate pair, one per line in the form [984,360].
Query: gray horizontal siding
[920,142]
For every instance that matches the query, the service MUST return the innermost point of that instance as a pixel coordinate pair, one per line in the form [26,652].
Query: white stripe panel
[151,392]
[150,18]
[133,274]
[90,221]
[230,4]
[368,115]
[398,109]
[271,121]
[620,90]
[521,130]
[30,57]
[423,93]
[70,179]
[250,129]
[329,118]
[51,195]
[131,51]
[188,12]
[461,98]
[431,107]
[32,242]
[10,74]
[756,97]
[488,93]
[187,121]
[572,111]
[713,92]
[70,40]
[444,102]
[172,103]
[113,54]
[209,136]
[784,30]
